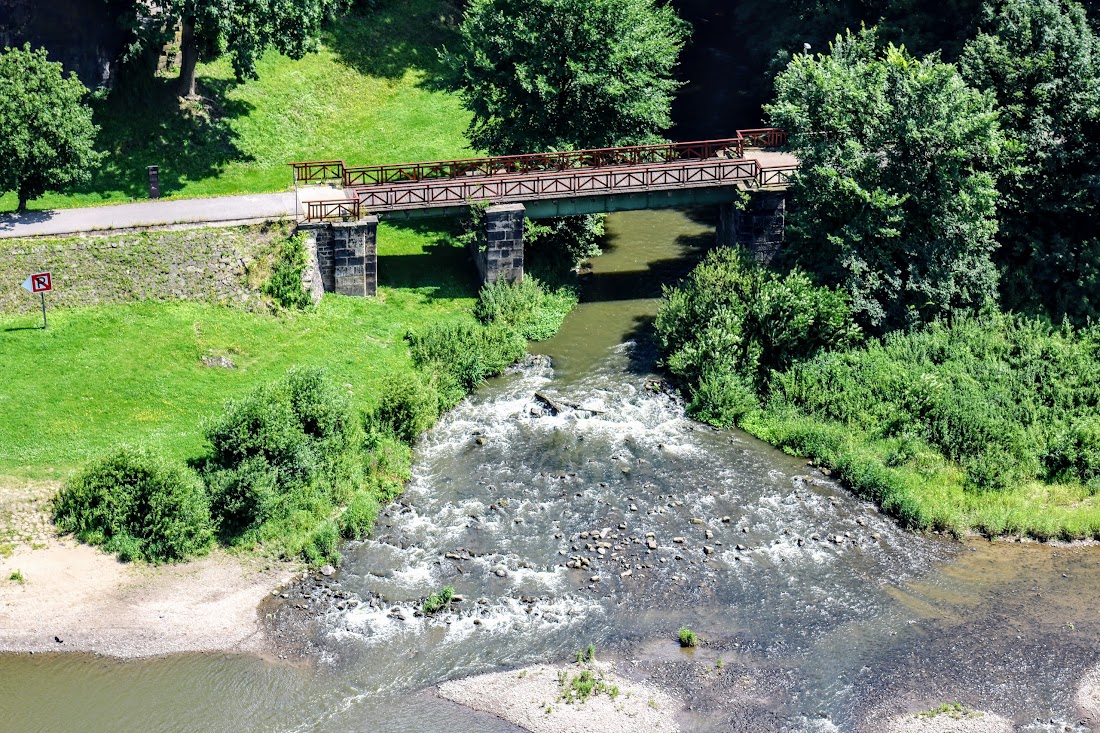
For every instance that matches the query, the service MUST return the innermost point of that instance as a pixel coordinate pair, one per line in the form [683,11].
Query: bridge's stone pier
[500,255]
[758,224]
[344,254]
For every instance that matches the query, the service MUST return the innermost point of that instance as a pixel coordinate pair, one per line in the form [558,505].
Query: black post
[43,295]
[154,182]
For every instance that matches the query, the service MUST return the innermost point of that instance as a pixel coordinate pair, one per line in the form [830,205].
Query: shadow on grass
[395,38]
[443,270]
[143,123]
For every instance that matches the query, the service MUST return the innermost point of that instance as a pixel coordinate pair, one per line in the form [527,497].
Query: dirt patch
[57,595]
[950,719]
[532,699]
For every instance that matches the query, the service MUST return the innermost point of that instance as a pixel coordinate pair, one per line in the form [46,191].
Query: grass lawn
[369,96]
[132,373]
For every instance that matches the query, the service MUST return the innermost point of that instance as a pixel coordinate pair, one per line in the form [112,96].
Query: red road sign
[39,282]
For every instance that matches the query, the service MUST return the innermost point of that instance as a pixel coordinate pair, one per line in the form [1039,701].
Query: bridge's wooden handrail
[335,209]
[555,184]
[377,175]
[318,171]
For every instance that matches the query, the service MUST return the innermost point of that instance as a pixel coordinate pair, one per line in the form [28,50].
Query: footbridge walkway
[344,203]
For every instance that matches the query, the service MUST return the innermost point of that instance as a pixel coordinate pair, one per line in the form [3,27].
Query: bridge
[342,204]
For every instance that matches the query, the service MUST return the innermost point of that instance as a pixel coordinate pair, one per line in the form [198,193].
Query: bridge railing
[555,184]
[774,175]
[762,137]
[318,171]
[330,210]
[375,175]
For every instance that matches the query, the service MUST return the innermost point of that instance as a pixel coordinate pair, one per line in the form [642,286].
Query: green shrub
[467,352]
[139,506]
[358,518]
[285,285]
[688,638]
[436,602]
[281,461]
[408,405]
[735,317]
[528,306]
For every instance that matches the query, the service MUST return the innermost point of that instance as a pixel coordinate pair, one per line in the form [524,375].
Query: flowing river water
[826,616]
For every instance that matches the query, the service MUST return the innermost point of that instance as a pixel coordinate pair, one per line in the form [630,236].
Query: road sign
[39,282]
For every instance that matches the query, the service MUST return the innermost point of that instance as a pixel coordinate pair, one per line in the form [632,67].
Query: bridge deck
[569,182]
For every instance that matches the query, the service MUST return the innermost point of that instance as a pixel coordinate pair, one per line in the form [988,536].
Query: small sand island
[587,696]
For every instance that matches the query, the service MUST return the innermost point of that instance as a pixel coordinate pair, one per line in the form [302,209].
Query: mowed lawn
[133,373]
[371,95]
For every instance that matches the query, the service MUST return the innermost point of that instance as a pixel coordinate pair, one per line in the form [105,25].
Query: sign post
[41,283]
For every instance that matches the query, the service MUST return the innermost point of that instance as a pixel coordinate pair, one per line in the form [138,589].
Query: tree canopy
[567,74]
[243,29]
[897,186]
[1042,61]
[46,130]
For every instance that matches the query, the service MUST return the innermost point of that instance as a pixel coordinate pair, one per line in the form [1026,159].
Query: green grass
[688,638]
[369,96]
[131,373]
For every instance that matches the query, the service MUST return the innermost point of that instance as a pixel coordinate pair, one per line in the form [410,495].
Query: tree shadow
[143,123]
[9,222]
[443,270]
[395,38]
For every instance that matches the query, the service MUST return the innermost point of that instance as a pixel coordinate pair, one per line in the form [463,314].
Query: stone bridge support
[344,255]
[757,226]
[499,256]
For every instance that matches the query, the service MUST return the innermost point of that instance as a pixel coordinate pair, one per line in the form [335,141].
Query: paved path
[221,210]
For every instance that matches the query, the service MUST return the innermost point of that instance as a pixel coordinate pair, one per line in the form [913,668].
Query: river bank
[58,595]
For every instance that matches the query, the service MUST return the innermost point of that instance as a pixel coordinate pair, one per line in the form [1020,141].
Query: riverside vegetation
[293,468]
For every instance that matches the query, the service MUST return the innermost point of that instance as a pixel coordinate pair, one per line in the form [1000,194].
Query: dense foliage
[281,460]
[46,130]
[284,287]
[1042,61]
[138,505]
[528,307]
[465,353]
[897,186]
[1008,398]
[731,324]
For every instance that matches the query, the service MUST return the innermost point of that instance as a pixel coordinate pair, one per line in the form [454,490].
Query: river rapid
[614,523]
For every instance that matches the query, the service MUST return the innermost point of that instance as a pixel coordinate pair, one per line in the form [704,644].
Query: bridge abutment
[758,225]
[345,255]
[501,258]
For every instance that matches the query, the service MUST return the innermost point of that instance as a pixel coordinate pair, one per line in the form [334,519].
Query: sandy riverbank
[531,699]
[93,603]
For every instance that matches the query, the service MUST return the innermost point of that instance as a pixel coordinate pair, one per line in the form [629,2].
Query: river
[825,615]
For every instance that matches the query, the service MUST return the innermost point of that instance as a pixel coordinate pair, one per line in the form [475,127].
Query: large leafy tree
[567,74]
[1042,60]
[544,75]
[243,29]
[896,194]
[46,130]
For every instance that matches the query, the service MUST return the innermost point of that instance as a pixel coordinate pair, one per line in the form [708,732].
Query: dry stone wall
[217,265]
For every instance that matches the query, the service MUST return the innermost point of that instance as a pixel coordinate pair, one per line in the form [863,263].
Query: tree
[896,195]
[46,130]
[544,75]
[567,74]
[244,29]
[1042,61]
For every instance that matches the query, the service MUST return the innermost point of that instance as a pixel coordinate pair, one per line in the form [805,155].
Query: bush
[436,602]
[281,461]
[408,405]
[528,307]
[688,638]
[467,353]
[137,505]
[285,286]
[744,321]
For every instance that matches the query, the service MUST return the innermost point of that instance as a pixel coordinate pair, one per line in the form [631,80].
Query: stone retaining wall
[212,265]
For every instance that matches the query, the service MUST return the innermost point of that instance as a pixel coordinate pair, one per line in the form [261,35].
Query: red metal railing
[555,184]
[318,171]
[763,137]
[375,175]
[328,210]
[774,175]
